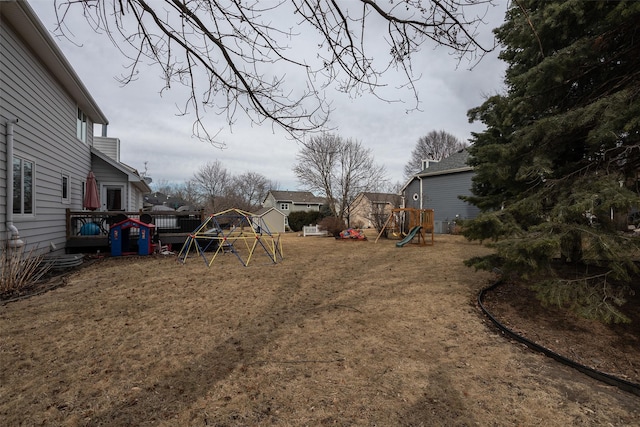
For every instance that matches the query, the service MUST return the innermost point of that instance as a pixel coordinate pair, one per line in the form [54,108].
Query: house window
[81,126]
[66,189]
[284,206]
[23,177]
[415,196]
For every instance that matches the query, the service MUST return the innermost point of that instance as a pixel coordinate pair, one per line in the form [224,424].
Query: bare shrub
[20,268]
[358,224]
[333,225]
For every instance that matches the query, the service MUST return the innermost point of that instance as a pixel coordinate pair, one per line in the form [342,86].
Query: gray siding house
[292,201]
[120,186]
[438,187]
[46,128]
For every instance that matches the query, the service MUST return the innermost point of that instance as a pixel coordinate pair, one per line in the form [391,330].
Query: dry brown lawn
[340,333]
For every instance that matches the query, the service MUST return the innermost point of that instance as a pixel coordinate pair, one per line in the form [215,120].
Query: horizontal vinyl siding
[46,135]
[3,171]
[442,193]
[296,208]
[303,208]
[360,212]
[269,202]
[413,188]
[108,146]
[135,199]
[132,192]
[106,174]
[274,222]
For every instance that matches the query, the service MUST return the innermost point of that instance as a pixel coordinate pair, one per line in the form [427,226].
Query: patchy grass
[346,333]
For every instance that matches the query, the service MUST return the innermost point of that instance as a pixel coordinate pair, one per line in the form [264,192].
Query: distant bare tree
[436,145]
[188,191]
[317,160]
[386,186]
[251,188]
[233,56]
[213,187]
[163,186]
[337,168]
[212,180]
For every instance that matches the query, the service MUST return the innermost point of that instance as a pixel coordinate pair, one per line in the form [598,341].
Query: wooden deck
[89,231]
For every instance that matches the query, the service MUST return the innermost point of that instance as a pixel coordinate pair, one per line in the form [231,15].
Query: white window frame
[18,208]
[284,206]
[81,126]
[65,182]
[104,188]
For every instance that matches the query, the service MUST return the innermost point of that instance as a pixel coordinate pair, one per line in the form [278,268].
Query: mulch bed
[612,348]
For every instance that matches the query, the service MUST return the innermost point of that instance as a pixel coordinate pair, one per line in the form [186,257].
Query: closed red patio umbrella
[91,197]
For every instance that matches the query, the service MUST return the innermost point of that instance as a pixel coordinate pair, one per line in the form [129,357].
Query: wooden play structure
[409,224]
[232,231]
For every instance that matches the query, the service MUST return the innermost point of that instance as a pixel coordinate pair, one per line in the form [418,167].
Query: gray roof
[304,197]
[457,162]
[261,211]
[264,211]
[382,197]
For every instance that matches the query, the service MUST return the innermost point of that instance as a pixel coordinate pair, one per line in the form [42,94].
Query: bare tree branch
[339,169]
[273,63]
[436,145]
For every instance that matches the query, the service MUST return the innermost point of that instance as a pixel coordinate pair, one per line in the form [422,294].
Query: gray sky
[151,131]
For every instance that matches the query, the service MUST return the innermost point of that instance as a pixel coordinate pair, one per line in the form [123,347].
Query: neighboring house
[438,187]
[120,186]
[274,219]
[370,210]
[46,128]
[292,201]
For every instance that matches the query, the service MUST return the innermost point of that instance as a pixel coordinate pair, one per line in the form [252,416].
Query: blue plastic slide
[409,237]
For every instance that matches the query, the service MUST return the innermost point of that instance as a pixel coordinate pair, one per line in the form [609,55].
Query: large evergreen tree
[558,166]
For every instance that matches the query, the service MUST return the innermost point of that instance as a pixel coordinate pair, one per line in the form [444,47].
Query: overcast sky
[151,131]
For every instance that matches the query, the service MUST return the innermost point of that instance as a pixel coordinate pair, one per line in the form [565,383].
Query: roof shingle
[455,161]
[305,197]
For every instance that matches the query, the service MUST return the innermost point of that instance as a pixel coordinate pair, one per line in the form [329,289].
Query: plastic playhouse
[122,238]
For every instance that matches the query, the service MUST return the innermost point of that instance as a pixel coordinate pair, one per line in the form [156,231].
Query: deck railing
[95,224]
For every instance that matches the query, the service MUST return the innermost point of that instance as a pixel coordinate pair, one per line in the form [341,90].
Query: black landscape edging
[598,375]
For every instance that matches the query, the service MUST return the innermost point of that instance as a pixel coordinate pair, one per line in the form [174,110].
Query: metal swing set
[232,231]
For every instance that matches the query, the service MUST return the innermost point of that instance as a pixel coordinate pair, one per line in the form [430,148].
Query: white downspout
[13,236]
[421,193]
